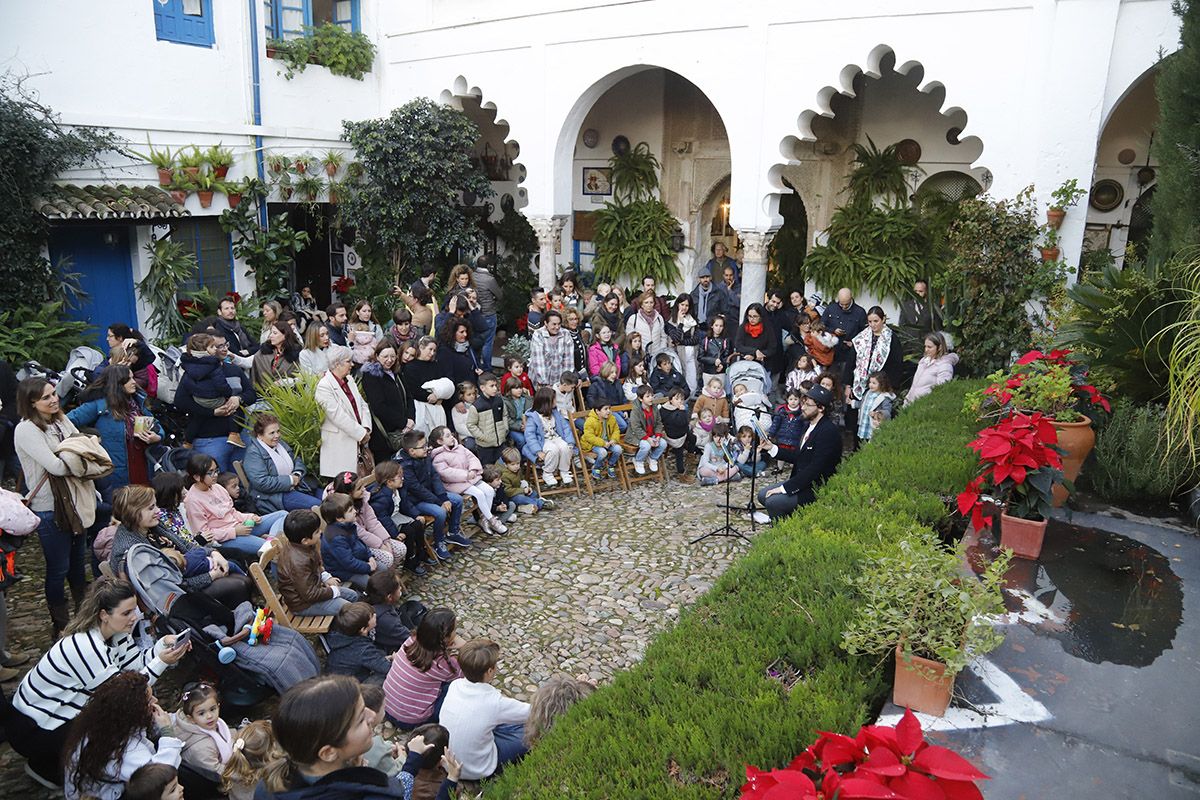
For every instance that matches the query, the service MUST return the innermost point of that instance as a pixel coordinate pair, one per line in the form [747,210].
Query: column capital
[756,244]
[548,227]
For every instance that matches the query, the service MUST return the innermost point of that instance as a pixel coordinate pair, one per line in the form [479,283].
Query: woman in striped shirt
[97,644]
[422,670]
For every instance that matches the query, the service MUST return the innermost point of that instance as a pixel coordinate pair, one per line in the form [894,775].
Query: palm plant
[171,266]
[878,174]
[633,232]
[300,416]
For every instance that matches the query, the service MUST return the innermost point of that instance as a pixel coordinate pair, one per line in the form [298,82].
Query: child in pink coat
[386,550]
[462,473]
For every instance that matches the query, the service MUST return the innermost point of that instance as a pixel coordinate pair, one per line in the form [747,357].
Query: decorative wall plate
[1106,195]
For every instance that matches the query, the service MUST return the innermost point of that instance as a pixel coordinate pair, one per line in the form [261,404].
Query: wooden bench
[630,474]
[300,624]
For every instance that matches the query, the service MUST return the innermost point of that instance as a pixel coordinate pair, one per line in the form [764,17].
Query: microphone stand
[726,530]
[751,506]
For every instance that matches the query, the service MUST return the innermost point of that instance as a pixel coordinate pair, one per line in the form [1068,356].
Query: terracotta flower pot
[233,199]
[1078,439]
[331,169]
[1055,217]
[179,196]
[914,690]
[164,176]
[1023,536]
[285,193]
[1050,253]
[206,198]
[191,172]
[300,167]
[221,172]
[333,198]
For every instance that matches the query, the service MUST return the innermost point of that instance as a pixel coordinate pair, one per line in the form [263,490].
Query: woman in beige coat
[347,422]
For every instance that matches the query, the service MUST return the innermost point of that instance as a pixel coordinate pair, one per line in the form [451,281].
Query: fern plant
[41,334]
[294,403]
[171,266]
[878,174]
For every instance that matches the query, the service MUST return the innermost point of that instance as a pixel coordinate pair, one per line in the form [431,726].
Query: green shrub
[684,722]
[299,415]
[1133,461]
[41,334]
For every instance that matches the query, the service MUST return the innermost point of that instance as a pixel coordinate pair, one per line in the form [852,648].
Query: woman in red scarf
[756,339]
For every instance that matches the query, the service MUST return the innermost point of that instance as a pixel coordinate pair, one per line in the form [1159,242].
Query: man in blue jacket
[813,461]
[425,489]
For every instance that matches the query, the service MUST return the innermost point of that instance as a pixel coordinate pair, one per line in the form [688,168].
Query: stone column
[755,246]
[549,232]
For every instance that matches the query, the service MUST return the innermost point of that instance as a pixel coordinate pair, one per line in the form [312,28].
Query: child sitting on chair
[715,462]
[645,431]
[518,490]
[675,430]
[464,415]
[462,473]
[602,436]
[516,404]
[666,378]
[344,553]
[564,394]
[304,585]
[548,439]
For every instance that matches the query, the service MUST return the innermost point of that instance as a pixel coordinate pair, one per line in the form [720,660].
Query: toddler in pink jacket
[461,473]
[386,550]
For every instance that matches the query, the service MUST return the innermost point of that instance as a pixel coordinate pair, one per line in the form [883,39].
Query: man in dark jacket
[813,461]
[845,319]
[336,324]
[240,342]
[918,314]
[208,429]
[709,298]
[427,493]
[489,293]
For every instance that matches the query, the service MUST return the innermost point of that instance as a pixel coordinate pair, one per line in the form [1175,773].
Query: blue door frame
[100,254]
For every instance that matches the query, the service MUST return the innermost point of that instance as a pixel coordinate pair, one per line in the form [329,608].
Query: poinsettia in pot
[1020,464]
[880,762]
[918,601]
[1055,385]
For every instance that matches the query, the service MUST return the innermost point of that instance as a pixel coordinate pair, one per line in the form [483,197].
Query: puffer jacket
[597,355]
[457,466]
[421,481]
[207,374]
[491,427]
[199,748]
[787,427]
[535,433]
[601,391]
[931,372]
[344,554]
[598,432]
[356,656]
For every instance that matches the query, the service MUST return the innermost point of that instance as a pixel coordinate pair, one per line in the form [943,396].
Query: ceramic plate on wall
[1106,195]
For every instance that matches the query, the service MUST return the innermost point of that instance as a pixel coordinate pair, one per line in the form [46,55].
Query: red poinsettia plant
[880,762]
[1051,383]
[343,285]
[1019,463]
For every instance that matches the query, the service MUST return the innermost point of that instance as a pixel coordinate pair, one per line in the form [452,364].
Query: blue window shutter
[172,25]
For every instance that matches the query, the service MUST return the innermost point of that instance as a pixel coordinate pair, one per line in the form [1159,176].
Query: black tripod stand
[751,507]
[727,529]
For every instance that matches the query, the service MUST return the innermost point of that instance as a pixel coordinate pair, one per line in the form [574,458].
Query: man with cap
[813,461]
[708,298]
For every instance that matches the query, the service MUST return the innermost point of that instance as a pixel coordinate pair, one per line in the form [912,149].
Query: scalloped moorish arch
[494,130]
[825,132]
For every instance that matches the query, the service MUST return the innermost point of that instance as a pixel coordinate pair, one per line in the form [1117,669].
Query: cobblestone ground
[581,589]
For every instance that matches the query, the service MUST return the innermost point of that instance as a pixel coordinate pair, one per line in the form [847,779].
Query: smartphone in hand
[182,639]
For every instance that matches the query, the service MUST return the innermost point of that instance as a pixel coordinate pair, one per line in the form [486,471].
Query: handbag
[395,439]
[15,516]
[366,461]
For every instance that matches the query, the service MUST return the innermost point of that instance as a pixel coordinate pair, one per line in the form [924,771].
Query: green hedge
[700,700]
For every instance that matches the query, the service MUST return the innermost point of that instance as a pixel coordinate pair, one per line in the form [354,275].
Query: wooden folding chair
[629,474]
[622,481]
[586,475]
[279,609]
[242,479]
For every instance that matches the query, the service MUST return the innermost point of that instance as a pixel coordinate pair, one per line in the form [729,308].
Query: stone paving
[580,589]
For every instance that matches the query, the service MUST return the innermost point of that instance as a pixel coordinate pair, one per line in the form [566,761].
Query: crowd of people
[418,426]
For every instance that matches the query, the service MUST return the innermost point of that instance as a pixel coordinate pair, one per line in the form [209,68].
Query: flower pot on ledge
[165,176]
[914,689]
[1078,439]
[206,198]
[233,199]
[1023,536]
[1055,217]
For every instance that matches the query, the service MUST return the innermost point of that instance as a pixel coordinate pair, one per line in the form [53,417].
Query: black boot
[60,615]
[77,593]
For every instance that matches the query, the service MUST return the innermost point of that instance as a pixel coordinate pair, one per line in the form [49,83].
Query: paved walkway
[582,588]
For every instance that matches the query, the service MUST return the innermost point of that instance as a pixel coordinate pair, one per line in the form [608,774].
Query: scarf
[611,320]
[702,296]
[754,330]
[717,395]
[648,414]
[461,347]
[708,426]
[649,318]
[349,396]
[871,352]
[284,464]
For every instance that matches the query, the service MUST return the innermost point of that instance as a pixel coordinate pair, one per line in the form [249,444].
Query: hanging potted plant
[337,190]
[1056,386]
[285,187]
[303,163]
[191,161]
[1064,197]
[220,159]
[180,187]
[309,187]
[333,160]
[1049,248]
[206,183]
[163,161]
[278,164]
[233,191]
[916,602]
[1020,464]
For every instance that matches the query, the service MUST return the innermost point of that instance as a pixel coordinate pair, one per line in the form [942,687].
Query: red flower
[237,298]
[343,284]
[523,322]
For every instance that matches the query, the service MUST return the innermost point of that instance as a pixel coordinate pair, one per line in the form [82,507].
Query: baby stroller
[750,373]
[166,362]
[78,373]
[256,671]
[754,404]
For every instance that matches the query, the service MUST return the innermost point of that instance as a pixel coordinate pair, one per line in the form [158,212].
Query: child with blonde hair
[462,473]
[464,415]
[254,747]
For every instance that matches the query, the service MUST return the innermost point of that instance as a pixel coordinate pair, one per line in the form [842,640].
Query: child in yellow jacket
[602,436]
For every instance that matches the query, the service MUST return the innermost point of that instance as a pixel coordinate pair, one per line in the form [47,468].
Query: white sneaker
[549,480]
[497,526]
[654,465]
[639,467]
[761,518]
[566,478]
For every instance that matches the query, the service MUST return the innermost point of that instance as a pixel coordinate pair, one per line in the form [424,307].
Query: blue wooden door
[101,257]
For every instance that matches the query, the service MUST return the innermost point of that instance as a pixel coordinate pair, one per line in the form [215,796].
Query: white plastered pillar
[549,233]
[755,247]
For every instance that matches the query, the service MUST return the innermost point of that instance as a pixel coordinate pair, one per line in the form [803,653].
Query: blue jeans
[510,744]
[66,558]
[489,338]
[219,448]
[613,452]
[327,608]
[518,439]
[751,469]
[439,515]
[645,449]
[299,501]
[526,500]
